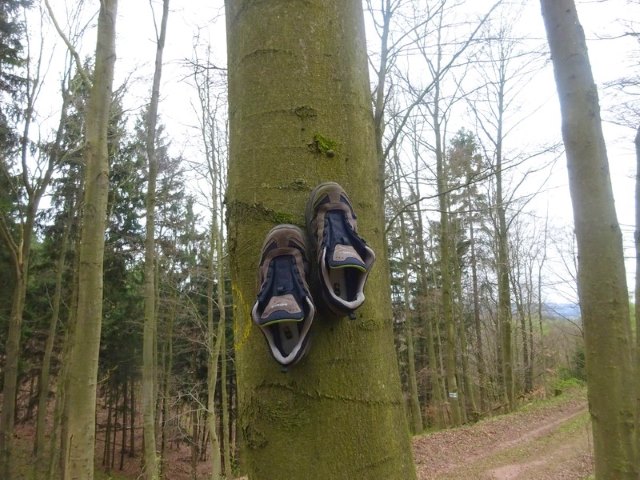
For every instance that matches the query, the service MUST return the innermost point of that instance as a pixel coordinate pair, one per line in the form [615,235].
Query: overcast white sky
[609,58]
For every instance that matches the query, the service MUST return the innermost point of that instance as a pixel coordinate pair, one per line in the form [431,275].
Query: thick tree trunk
[297,74]
[83,368]
[601,274]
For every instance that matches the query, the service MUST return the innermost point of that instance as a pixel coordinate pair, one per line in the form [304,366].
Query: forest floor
[543,440]
[550,441]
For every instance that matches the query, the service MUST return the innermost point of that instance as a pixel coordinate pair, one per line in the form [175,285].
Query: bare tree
[602,280]
[149,376]
[83,362]
[27,182]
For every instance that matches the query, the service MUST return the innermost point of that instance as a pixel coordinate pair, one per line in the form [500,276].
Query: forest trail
[551,442]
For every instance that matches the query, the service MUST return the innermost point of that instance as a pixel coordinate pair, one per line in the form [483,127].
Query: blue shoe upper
[344,247]
[282,296]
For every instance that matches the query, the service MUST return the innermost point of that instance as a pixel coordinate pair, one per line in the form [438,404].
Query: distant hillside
[561,310]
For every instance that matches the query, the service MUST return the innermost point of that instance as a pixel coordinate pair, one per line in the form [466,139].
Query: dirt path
[549,442]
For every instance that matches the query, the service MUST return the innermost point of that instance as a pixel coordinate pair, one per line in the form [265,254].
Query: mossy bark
[296,71]
[602,281]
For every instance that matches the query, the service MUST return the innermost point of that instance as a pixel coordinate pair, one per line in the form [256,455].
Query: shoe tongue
[344,256]
[282,308]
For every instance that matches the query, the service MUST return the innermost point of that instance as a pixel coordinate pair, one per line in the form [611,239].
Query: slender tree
[151,463]
[414,401]
[83,368]
[298,75]
[27,185]
[602,282]
[637,291]
[214,139]
[43,383]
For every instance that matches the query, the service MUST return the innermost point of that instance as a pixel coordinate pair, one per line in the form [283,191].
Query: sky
[204,20]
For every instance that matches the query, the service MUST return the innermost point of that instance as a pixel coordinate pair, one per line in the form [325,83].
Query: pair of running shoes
[284,309]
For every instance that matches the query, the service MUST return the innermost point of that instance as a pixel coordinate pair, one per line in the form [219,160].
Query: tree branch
[83,73]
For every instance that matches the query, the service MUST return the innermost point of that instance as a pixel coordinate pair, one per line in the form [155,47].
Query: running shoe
[284,309]
[344,258]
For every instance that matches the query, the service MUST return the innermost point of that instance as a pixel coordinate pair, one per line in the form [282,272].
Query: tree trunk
[151,463]
[43,384]
[482,375]
[520,301]
[504,293]
[125,406]
[446,283]
[19,252]
[297,72]
[602,285]
[168,369]
[637,292]
[214,337]
[83,368]
[224,394]
[414,401]
[58,442]
[132,419]
[468,402]
[430,321]
[10,385]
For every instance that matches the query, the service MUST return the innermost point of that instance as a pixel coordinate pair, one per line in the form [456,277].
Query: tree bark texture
[602,286]
[297,75]
[83,368]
